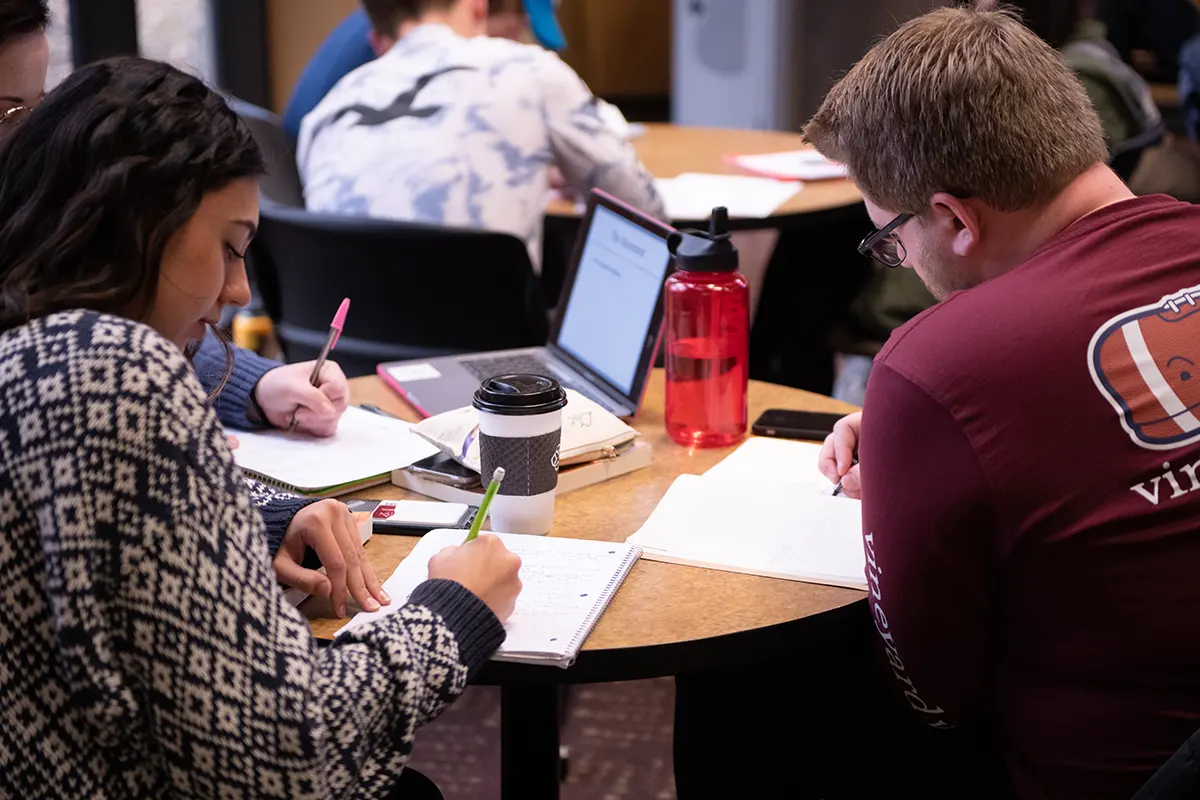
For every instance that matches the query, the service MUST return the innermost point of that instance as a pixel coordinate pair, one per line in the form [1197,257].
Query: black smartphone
[444,469]
[795,424]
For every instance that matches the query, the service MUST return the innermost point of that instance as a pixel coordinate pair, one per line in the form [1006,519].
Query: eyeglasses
[884,245]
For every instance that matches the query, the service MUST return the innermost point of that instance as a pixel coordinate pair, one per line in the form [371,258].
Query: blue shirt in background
[346,49]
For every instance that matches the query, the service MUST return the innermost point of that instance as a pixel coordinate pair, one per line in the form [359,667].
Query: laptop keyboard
[483,368]
[506,365]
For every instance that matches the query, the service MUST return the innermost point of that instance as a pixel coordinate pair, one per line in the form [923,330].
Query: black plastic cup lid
[520,395]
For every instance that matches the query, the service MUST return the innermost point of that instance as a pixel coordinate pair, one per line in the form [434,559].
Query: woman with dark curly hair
[245,389]
[148,651]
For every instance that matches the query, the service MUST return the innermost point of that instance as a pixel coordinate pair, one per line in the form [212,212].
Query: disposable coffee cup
[520,428]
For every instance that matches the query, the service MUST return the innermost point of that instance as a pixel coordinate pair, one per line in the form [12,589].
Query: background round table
[665,618]
[669,150]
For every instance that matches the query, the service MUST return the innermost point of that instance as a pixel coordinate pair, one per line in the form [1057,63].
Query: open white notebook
[765,510]
[364,451]
[567,584]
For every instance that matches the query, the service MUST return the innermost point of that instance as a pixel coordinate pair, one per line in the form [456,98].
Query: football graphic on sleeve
[1145,362]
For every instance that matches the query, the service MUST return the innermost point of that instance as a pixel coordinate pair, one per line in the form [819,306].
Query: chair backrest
[1124,158]
[416,291]
[282,181]
[1179,778]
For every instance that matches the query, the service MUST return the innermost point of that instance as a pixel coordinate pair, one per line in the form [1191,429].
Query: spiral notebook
[567,585]
[363,452]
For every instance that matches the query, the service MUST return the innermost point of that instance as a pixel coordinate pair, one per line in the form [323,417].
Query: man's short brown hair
[387,15]
[960,100]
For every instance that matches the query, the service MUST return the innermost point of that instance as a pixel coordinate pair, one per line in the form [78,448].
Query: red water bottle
[707,338]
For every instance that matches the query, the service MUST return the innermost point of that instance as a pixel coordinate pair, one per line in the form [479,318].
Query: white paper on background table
[803,165]
[693,195]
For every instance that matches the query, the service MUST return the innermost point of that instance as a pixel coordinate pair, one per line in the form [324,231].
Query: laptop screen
[611,306]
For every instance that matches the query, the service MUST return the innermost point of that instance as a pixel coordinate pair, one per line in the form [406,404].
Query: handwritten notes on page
[567,584]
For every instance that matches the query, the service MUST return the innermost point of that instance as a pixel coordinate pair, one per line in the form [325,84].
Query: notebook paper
[766,529]
[567,584]
[366,446]
[786,464]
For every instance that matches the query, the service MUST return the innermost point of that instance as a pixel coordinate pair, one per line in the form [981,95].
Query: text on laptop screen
[621,270]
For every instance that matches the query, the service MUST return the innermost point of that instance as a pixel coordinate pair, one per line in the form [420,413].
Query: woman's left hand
[329,529]
[286,391]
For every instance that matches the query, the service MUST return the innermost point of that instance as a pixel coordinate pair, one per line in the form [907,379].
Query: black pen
[376,410]
[838,489]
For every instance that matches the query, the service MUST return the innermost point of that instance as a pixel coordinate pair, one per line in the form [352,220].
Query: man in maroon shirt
[1030,447]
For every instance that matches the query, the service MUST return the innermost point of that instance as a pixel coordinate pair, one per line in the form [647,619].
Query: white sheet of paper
[365,444]
[804,165]
[784,463]
[562,581]
[793,535]
[693,195]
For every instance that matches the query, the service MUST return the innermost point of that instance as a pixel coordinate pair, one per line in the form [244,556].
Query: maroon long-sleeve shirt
[1030,468]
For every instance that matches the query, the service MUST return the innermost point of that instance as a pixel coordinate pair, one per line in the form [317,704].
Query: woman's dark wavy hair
[96,180]
[19,17]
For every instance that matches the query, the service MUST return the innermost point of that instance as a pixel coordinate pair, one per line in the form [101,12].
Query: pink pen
[335,331]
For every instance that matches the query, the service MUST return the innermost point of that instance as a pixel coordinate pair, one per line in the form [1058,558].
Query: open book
[363,452]
[567,584]
[765,510]
[589,433]
[626,458]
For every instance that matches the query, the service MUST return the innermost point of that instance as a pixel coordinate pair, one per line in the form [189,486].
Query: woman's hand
[328,528]
[286,391]
[486,568]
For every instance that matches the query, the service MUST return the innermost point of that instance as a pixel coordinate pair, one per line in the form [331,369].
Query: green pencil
[493,487]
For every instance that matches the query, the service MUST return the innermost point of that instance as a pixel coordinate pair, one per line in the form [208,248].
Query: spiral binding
[277,484]
[602,602]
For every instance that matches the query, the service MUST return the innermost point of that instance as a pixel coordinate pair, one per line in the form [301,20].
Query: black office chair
[282,181]
[1179,778]
[1126,156]
[416,291]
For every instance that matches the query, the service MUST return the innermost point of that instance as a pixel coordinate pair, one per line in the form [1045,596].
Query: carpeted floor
[618,735]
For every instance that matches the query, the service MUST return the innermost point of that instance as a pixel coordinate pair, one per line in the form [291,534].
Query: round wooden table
[669,150]
[664,620]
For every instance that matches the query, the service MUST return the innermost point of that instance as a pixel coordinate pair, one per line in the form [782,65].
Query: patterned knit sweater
[145,649]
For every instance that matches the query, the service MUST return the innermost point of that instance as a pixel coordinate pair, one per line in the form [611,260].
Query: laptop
[606,329]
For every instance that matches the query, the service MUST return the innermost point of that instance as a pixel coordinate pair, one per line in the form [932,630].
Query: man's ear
[481,12]
[961,223]
[381,43]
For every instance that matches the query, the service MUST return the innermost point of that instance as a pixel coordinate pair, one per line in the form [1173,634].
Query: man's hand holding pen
[839,455]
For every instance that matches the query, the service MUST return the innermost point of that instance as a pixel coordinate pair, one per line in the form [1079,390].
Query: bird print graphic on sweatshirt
[450,130]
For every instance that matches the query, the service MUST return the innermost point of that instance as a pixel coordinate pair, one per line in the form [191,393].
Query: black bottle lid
[705,251]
